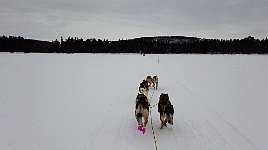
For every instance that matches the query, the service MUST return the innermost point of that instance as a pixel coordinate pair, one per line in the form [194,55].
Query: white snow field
[86,101]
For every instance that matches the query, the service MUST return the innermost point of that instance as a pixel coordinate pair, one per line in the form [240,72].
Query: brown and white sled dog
[144,89]
[142,109]
[166,110]
[155,82]
[149,79]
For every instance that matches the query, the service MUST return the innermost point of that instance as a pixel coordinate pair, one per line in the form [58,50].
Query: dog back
[164,97]
[155,79]
[164,103]
[148,78]
[142,99]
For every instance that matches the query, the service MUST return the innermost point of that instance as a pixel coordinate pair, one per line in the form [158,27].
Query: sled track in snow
[155,137]
[210,124]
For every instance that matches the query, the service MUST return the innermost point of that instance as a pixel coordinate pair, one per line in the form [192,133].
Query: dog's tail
[139,111]
[139,115]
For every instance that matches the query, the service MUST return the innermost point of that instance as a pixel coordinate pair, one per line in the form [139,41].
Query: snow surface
[86,101]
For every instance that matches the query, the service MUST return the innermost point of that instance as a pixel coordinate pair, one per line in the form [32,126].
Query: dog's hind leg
[139,118]
[170,119]
[145,115]
[162,120]
[139,114]
[145,121]
[162,125]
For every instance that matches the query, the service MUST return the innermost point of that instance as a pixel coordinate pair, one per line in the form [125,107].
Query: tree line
[248,45]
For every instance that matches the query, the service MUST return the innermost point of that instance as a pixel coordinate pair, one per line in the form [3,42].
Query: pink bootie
[142,129]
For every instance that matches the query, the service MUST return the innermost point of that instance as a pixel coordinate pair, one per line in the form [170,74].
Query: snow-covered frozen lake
[86,101]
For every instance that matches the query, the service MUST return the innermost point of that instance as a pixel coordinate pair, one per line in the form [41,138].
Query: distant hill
[169,39]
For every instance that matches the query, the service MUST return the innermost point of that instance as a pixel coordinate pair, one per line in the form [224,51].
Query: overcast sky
[125,19]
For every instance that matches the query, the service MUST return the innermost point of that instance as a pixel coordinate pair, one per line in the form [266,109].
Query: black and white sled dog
[142,109]
[166,110]
[144,89]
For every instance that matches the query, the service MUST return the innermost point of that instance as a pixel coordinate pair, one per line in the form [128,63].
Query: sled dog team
[165,108]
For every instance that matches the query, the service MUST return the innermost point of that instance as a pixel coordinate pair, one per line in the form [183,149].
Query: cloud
[114,19]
